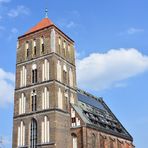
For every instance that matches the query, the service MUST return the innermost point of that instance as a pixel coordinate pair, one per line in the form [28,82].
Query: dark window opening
[34,76]
[33,134]
[42,50]
[65,76]
[27,53]
[34,50]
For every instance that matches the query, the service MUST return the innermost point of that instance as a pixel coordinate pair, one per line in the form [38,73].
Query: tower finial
[46,13]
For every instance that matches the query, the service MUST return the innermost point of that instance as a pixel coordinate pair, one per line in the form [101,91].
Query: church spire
[46,13]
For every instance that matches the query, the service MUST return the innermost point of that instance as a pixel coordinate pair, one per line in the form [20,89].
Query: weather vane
[46,13]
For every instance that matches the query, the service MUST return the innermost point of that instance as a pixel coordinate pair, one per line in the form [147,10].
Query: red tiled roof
[42,24]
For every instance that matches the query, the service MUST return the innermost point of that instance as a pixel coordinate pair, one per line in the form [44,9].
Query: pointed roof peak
[45,22]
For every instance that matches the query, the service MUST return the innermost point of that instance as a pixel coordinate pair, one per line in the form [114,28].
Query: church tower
[45,87]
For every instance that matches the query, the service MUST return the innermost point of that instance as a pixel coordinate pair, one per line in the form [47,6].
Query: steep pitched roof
[42,24]
[97,114]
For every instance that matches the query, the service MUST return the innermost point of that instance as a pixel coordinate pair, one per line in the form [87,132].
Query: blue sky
[112,34]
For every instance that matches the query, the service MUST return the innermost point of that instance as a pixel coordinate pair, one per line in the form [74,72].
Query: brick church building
[49,110]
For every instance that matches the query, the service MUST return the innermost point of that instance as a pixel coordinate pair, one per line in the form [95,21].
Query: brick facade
[61,129]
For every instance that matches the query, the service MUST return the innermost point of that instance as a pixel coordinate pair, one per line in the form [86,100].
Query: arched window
[42,45]
[64,48]
[74,141]
[22,104]
[102,141]
[53,40]
[93,141]
[64,74]
[71,77]
[34,100]
[33,134]
[34,73]
[34,47]
[69,55]
[59,43]
[27,49]
[45,70]
[45,130]
[23,74]
[72,100]
[21,135]
[59,71]
[60,99]
[45,98]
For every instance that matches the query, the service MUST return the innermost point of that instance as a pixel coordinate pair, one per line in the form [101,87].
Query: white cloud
[70,24]
[6,140]
[134,30]
[4,1]
[18,11]
[6,87]
[12,34]
[101,71]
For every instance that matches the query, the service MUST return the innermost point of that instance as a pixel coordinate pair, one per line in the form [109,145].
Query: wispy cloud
[4,1]
[13,33]
[134,30]
[66,23]
[71,24]
[110,69]
[20,10]
[6,87]
[131,31]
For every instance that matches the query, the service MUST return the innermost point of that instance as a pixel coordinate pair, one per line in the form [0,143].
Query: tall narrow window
[34,73]
[45,130]
[69,55]
[59,43]
[74,141]
[23,74]
[34,101]
[33,134]
[93,141]
[34,47]
[64,74]
[71,77]
[45,70]
[42,45]
[59,71]
[60,99]
[53,40]
[102,142]
[22,104]
[27,49]
[21,135]
[111,143]
[119,144]
[64,48]
[72,98]
[45,98]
